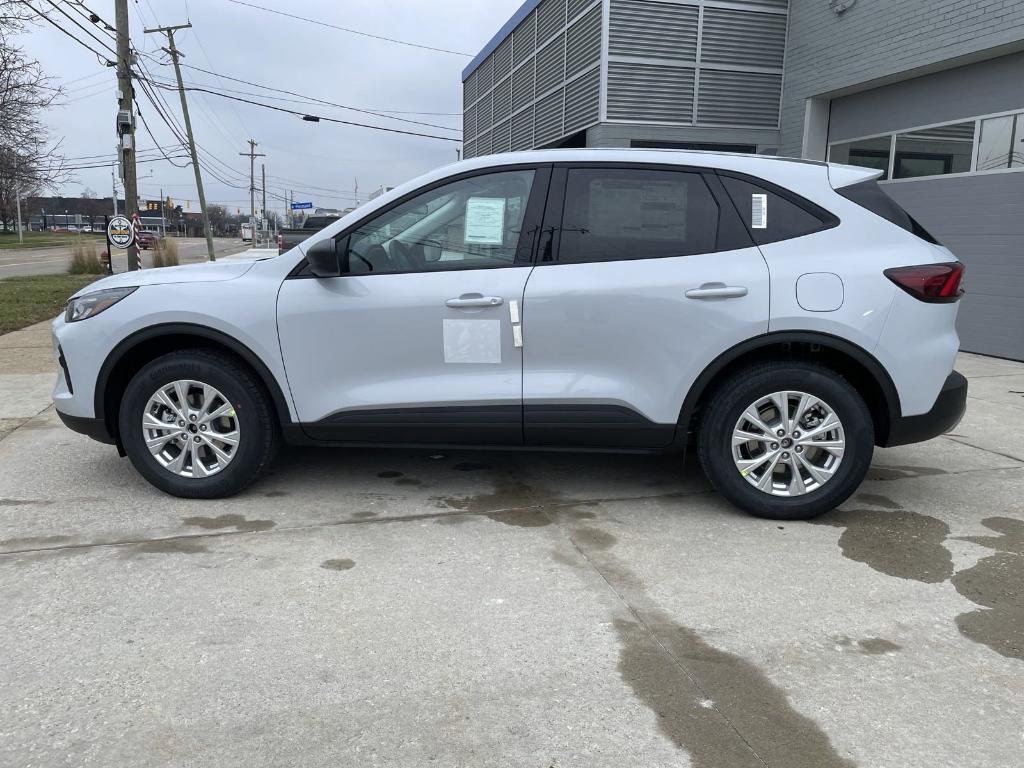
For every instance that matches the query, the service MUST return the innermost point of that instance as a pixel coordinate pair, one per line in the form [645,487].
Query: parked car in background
[289,238]
[783,316]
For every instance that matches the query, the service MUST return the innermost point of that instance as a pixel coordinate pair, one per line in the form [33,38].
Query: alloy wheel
[190,428]
[788,443]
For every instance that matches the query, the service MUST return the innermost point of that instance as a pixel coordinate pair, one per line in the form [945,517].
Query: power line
[351,31]
[153,138]
[82,43]
[70,18]
[154,96]
[107,164]
[314,99]
[84,77]
[209,61]
[307,116]
[92,17]
[110,156]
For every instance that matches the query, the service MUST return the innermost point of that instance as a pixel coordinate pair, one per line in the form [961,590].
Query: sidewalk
[27,369]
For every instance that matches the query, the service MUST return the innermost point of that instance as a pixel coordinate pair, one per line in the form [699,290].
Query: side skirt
[605,428]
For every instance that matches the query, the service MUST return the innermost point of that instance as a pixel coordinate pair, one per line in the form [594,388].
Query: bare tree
[30,161]
[91,206]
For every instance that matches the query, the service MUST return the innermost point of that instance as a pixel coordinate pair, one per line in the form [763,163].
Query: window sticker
[472,341]
[485,220]
[759,212]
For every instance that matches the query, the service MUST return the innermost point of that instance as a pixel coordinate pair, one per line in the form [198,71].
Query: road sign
[301,206]
[120,232]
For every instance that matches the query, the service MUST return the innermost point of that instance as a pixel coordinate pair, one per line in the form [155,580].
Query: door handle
[716,291]
[475,301]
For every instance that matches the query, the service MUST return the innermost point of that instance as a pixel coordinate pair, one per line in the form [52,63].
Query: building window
[980,145]
[1002,142]
[934,151]
[868,153]
[748,149]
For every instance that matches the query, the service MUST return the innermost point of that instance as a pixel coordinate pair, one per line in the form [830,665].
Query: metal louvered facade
[537,82]
[563,71]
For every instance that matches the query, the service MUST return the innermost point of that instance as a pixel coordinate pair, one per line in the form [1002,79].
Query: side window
[612,214]
[472,223]
[769,216]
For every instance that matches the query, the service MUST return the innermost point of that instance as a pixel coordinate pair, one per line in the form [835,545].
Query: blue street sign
[300,206]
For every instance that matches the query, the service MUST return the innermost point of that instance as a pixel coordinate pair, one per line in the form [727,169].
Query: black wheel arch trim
[836,343]
[152,332]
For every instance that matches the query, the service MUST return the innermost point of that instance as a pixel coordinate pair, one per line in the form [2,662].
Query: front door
[645,276]
[415,343]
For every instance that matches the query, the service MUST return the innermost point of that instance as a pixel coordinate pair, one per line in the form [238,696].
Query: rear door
[645,275]
[414,342]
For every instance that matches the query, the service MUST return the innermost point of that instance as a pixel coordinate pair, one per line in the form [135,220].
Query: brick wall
[882,38]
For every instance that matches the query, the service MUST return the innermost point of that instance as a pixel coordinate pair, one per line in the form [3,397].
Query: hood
[205,272]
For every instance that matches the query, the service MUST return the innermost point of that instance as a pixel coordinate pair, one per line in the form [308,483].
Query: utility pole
[175,55]
[263,172]
[17,196]
[126,123]
[252,154]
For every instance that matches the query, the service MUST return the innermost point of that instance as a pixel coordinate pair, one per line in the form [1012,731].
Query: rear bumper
[945,414]
[88,426]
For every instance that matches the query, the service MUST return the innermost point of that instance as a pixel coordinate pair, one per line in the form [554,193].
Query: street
[401,607]
[48,261]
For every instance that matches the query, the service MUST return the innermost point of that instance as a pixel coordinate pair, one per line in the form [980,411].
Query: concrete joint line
[961,441]
[336,523]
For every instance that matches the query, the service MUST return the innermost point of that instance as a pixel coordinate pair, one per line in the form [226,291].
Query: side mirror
[323,258]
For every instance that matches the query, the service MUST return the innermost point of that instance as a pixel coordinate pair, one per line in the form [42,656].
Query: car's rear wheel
[197,424]
[786,440]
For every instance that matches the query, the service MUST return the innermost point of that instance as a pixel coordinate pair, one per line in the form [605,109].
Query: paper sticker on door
[485,220]
[472,341]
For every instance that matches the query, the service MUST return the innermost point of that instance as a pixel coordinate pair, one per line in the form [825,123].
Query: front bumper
[88,426]
[945,415]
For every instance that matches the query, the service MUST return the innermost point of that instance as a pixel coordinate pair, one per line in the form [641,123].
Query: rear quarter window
[868,194]
[772,214]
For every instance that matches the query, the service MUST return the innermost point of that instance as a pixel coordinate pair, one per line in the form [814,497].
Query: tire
[810,496]
[248,416]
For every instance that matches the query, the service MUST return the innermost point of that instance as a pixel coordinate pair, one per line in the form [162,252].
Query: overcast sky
[269,49]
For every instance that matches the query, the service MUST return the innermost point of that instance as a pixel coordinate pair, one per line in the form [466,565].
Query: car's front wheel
[786,440]
[197,424]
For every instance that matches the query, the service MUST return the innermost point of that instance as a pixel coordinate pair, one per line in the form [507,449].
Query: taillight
[934,283]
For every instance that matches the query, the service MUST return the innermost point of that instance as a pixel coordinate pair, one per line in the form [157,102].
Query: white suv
[785,315]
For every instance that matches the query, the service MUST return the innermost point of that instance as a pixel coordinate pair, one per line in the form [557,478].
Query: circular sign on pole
[120,232]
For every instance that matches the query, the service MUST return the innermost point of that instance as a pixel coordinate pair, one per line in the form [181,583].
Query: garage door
[951,145]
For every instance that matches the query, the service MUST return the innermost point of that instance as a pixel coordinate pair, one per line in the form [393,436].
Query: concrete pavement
[408,608]
[49,261]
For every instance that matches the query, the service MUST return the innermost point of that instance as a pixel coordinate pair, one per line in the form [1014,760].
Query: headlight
[93,303]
